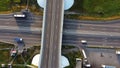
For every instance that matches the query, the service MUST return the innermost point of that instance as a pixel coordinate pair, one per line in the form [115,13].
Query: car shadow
[118,56]
[24,24]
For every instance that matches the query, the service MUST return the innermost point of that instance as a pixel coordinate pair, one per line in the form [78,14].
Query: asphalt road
[12,28]
[33,38]
[89,25]
[91,40]
[32,21]
[51,41]
[28,30]
[30,38]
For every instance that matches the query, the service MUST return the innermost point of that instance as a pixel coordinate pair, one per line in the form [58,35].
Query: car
[19,15]
[18,40]
[86,64]
[107,66]
[83,41]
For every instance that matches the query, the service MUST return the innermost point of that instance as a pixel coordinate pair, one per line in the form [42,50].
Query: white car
[83,41]
[107,66]
[19,15]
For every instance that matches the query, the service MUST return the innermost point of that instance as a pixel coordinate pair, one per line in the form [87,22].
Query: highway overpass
[52,34]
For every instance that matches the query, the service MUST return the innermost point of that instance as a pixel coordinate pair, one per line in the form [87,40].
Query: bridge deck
[52,34]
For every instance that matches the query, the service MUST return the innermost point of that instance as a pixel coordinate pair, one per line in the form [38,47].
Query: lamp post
[27,4]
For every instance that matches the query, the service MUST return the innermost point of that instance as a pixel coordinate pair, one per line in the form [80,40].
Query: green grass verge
[97,8]
[72,55]
[67,47]
[4,5]
[5,57]
[72,58]
[4,54]
[18,63]
[90,8]
[9,6]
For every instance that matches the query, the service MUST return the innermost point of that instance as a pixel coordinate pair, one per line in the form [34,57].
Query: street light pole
[27,4]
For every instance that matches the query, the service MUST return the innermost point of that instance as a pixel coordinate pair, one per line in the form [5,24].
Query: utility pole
[27,4]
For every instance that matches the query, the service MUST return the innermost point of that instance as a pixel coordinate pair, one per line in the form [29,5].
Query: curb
[105,47]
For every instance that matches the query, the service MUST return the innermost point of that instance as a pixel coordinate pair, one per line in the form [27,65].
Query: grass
[72,58]
[96,9]
[88,9]
[4,5]
[28,58]
[94,18]
[4,54]
[99,7]
[3,45]
[17,1]
[18,63]
[9,6]
[67,47]
[5,57]
[71,55]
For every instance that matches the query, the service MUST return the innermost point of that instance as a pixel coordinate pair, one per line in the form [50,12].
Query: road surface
[28,29]
[25,28]
[52,33]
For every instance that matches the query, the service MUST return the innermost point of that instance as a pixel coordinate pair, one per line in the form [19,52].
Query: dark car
[19,41]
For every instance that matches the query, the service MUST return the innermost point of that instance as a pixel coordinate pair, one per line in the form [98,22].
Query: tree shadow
[78,6]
